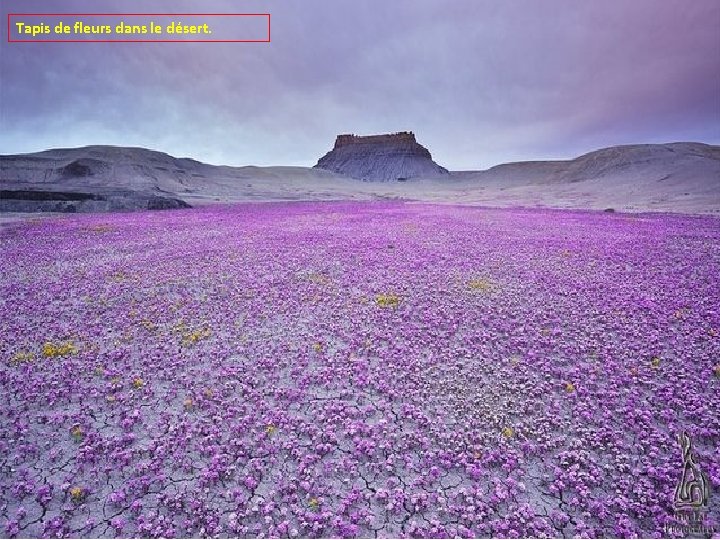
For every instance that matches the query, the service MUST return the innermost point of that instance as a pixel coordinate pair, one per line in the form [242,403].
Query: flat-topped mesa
[400,136]
[392,156]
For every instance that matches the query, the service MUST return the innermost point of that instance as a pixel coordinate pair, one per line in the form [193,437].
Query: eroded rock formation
[395,156]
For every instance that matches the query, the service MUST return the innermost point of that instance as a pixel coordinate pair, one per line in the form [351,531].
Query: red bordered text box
[266,15]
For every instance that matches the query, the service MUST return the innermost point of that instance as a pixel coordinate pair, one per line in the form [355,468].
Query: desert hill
[674,177]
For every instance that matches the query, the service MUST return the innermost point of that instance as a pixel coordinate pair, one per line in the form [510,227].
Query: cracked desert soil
[356,370]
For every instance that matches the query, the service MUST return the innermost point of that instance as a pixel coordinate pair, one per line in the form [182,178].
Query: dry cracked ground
[356,370]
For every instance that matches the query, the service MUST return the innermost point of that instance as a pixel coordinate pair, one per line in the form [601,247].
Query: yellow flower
[138,383]
[317,346]
[179,327]
[387,300]
[148,325]
[655,362]
[51,350]
[22,356]
[717,371]
[188,403]
[190,338]
[508,432]
[318,278]
[314,503]
[270,429]
[77,433]
[569,387]
[77,493]
[110,399]
[479,284]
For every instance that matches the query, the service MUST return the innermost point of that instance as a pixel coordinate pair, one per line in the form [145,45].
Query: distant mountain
[674,177]
[394,156]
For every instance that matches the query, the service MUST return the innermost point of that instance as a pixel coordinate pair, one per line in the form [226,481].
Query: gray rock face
[392,157]
[22,200]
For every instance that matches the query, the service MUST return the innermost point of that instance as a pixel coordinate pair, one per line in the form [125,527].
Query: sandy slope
[676,177]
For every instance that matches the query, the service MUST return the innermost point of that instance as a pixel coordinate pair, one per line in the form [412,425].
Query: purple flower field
[356,370]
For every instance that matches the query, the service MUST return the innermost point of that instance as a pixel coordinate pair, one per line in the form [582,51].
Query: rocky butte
[389,157]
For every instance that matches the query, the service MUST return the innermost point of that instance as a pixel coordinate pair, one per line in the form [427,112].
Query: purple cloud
[480,82]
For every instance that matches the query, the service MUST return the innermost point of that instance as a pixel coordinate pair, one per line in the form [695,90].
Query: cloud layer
[480,82]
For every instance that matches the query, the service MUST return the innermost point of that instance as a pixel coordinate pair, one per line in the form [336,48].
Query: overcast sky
[480,82]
